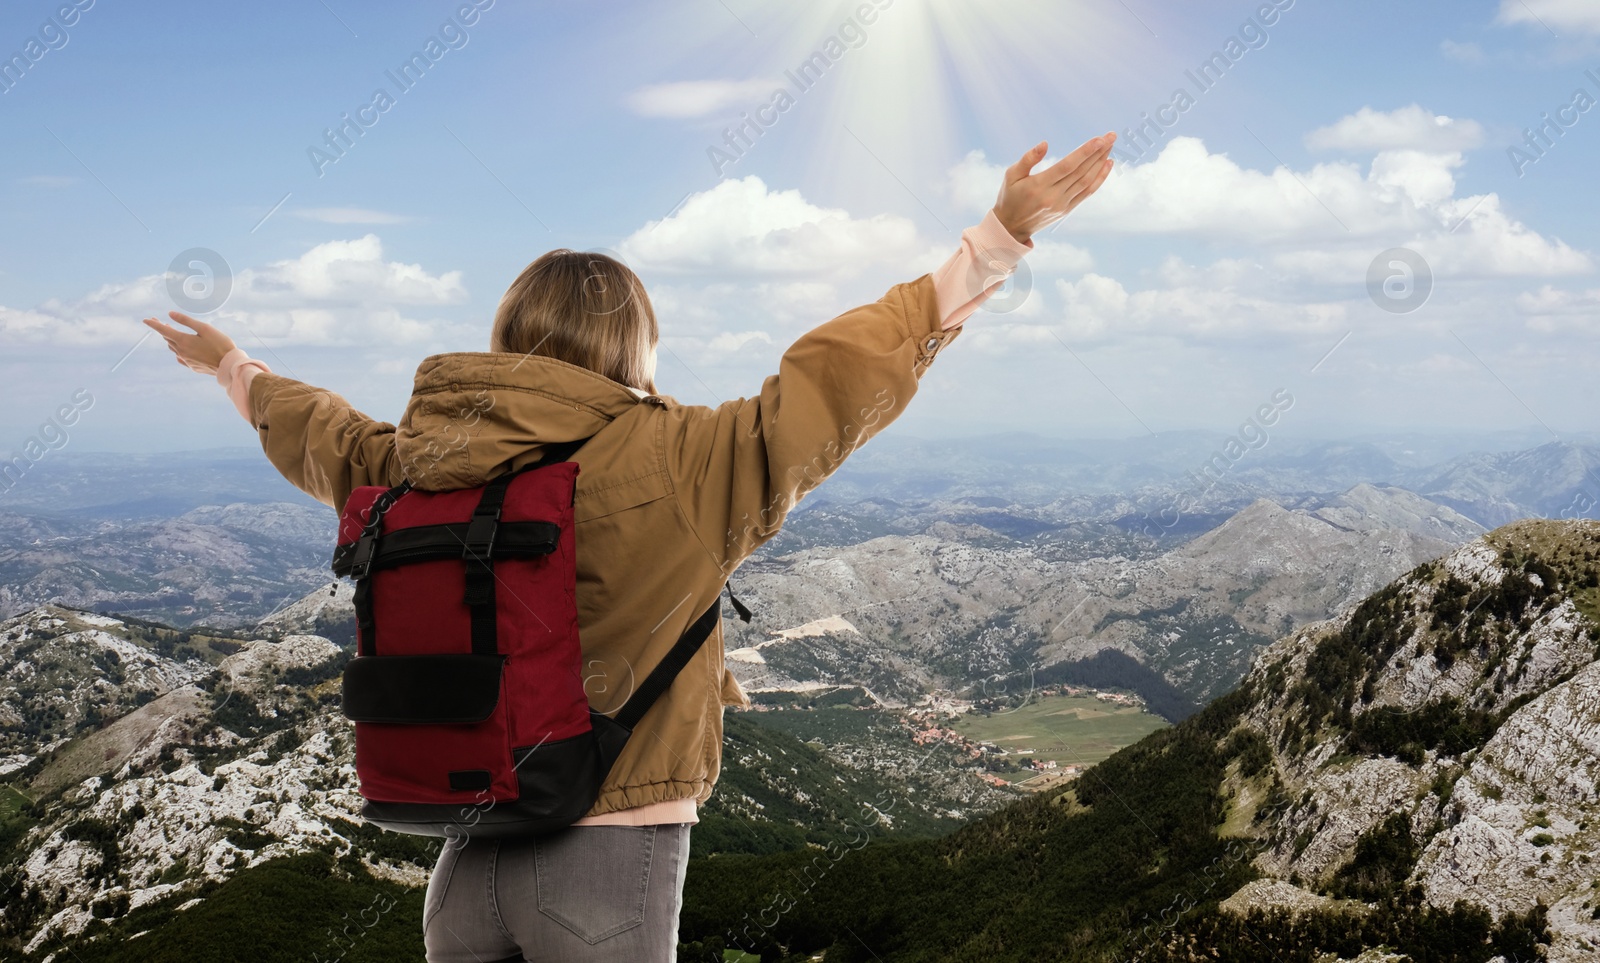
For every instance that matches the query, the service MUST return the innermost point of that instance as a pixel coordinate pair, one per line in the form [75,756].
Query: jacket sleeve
[741,467]
[321,444]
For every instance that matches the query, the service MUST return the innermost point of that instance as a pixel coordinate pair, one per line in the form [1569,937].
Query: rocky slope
[145,767]
[1417,778]
[220,766]
[65,672]
[1451,722]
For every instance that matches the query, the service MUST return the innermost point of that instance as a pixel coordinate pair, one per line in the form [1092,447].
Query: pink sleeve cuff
[988,256]
[234,373]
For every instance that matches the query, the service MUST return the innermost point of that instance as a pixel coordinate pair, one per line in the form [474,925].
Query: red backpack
[467,689]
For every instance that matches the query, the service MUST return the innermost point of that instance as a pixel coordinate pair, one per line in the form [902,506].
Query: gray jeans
[582,895]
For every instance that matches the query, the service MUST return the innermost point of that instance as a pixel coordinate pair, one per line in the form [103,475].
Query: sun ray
[904,97]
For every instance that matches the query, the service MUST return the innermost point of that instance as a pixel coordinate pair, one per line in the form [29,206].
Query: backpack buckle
[480,535]
[365,548]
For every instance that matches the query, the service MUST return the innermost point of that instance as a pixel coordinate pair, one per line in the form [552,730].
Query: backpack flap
[451,689]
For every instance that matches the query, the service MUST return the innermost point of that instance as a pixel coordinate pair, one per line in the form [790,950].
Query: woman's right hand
[1029,202]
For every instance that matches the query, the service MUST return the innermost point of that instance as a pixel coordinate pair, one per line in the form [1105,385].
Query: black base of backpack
[558,784]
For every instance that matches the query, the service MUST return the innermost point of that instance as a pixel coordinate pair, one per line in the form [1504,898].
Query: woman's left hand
[201,351]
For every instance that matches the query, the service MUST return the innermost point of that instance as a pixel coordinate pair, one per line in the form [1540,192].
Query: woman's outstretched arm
[325,447]
[741,467]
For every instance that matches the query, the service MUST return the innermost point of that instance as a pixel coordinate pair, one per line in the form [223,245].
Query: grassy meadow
[1072,730]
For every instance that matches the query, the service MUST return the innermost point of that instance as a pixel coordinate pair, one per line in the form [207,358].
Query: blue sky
[1223,264]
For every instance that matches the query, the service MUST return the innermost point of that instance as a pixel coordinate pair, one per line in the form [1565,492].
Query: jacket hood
[475,415]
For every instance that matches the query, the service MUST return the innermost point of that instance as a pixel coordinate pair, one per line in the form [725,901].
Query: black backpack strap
[661,677]
[479,543]
[475,551]
[738,606]
[366,624]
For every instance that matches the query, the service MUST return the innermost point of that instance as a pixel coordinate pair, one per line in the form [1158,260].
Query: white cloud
[1466,53]
[1196,304]
[719,339]
[1426,179]
[1188,190]
[1552,310]
[1579,15]
[1058,257]
[697,98]
[731,342]
[703,311]
[350,215]
[1487,243]
[348,272]
[339,292]
[1292,272]
[993,336]
[1228,301]
[1412,127]
[22,324]
[1326,223]
[974,183]
[1440,367]
[741,227]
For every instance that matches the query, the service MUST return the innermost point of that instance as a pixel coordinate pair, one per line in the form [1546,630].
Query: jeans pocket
[439,881]
[593,879]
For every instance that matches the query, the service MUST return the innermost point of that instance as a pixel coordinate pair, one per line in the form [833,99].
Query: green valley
[1069,730]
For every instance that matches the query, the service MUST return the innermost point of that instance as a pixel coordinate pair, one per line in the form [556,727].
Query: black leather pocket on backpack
[422,689]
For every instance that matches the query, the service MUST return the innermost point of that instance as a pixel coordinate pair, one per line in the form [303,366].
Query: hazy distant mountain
[218,538]
[1029,469]
[1557,480]
[184,537]
[124,486]
[220,564]
[1367,508]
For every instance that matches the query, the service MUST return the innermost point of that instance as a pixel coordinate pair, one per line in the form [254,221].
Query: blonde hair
[583,308]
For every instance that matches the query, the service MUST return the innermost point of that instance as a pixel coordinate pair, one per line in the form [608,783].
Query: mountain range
[912,613]
[1417,778]
[1409,769]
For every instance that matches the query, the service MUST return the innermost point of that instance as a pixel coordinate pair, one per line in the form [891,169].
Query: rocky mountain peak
[1450,722]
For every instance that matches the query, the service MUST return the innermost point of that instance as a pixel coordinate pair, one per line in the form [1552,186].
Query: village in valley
[1024,741]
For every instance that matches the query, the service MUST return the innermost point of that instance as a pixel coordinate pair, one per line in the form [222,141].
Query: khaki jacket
[671,498]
